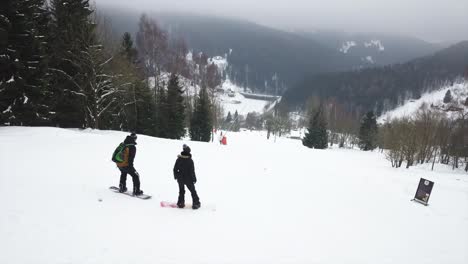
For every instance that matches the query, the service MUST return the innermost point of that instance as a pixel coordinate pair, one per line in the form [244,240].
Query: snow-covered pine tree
[201,123]
[368,132]
[175,108]
[72,35]
[23,63]
[316,135]
[86,65]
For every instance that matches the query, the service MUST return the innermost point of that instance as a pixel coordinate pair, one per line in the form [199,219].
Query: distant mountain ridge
[256,53]
[383,88]
[268,60]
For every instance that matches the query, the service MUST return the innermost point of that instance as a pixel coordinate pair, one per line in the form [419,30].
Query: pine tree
[316,135]
[145,110]
[448,97]
[368,132]
[23,63]
[72,35]
[201,123]
[127,50]
[228,118]
[175,108]
[161,114]
[236,122]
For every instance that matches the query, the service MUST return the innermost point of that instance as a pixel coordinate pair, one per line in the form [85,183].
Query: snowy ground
[262,202]
[459,93]
[239,103]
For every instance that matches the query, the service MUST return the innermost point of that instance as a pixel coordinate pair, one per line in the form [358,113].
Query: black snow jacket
[184,169]
[131,149]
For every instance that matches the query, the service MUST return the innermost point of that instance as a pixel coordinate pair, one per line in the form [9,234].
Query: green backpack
[118,155]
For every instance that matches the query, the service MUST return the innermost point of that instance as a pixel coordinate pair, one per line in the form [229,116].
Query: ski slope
[262,202]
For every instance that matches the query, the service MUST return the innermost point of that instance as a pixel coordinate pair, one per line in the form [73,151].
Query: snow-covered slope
[230,97]
[374,44]
[257,205]
[232,100]
[459,93]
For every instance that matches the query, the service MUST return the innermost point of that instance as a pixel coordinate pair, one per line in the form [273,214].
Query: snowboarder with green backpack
[124,156]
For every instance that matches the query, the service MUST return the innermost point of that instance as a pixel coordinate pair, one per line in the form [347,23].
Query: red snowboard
[168,204]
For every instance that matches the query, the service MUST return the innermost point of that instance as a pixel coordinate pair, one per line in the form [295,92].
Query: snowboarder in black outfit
[126,166]
[184,173]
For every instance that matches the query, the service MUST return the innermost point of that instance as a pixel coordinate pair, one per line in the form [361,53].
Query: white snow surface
[375,43]
[7,110]
[458,90]
[369,59]
[239,103]
[347,45]
[220,62]
[262,202]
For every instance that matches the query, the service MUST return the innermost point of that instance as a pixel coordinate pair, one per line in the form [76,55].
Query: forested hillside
[384,88]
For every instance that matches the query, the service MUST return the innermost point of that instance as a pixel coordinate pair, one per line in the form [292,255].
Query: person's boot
[180,203]
[137,191]
[122,188]
[195,206]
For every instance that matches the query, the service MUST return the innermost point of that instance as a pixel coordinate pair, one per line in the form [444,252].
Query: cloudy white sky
[432,20]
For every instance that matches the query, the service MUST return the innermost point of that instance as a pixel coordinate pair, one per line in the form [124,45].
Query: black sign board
[424,191]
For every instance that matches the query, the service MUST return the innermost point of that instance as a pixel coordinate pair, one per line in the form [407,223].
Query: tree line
[430,136]
[61,65]
[433,135]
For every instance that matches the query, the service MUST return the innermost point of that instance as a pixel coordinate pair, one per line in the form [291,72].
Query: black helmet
[133,135]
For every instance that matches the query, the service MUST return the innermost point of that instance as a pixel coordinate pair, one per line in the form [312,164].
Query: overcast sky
[432,20]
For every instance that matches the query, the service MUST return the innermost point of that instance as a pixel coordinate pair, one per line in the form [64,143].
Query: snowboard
[129,193]
[167,204]
[170,204]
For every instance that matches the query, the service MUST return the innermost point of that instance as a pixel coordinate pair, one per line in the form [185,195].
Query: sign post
[423,192]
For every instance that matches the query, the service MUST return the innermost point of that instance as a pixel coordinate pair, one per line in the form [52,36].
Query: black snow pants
[135,177]
[192,190]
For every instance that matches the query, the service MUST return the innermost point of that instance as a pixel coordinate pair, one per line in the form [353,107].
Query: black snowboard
[143,196]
